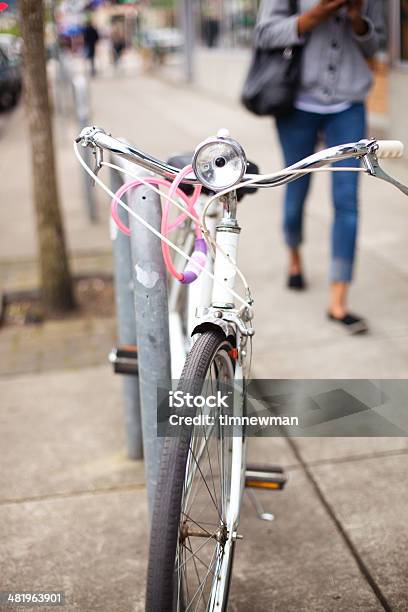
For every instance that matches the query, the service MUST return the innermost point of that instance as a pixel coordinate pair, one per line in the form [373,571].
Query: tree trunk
[56,286]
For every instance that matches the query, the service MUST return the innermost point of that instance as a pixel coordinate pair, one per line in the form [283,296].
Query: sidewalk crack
[342,532]
[134,486]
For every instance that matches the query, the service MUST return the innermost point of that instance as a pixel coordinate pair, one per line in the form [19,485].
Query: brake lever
[85,139]
[373,168]
[98,154]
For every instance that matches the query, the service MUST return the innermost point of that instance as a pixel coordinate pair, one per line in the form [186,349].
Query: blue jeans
[298,134]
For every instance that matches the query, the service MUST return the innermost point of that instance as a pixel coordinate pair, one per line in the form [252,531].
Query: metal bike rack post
[81,96]
[64,102]
[188,31]
[126,322]
[152,322]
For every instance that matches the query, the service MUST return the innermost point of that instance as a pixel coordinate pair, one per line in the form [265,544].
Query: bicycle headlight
[219,163]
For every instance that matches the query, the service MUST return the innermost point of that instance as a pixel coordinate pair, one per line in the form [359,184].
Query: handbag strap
[293,6]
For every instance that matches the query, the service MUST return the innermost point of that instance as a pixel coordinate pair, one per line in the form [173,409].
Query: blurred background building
[223,24]
[208,41]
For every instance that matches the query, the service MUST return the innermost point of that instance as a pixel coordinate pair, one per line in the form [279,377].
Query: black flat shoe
[351,323]
[296,282]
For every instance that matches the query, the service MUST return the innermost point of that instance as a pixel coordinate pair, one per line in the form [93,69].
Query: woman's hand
[310,19]
[358,24]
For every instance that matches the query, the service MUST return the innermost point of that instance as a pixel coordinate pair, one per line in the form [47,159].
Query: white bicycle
[203,470]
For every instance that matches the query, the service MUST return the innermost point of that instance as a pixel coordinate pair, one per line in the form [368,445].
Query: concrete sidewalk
[72,507]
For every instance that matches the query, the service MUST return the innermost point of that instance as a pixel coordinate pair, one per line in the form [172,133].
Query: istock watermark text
[179,399]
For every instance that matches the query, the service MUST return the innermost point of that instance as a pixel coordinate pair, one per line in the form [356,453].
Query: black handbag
[273,78]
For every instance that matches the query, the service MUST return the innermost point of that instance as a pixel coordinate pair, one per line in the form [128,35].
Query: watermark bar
[318,408]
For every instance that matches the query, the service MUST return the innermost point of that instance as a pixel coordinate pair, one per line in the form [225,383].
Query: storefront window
[227,23]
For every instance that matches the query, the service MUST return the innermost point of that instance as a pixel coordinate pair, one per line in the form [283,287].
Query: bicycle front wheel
[198,494]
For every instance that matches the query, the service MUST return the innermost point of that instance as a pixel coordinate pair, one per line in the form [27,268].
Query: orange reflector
[260,484]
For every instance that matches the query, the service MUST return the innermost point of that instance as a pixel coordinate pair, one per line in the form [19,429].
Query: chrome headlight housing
[219,163]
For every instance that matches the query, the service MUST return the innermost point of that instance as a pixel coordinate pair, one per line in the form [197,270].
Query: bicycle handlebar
[368,150]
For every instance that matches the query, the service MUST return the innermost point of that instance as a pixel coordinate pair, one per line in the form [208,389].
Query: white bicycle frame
[199,295]
[203,294]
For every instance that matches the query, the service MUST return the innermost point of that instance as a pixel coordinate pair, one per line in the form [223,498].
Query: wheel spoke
[198,455]
[207,487]
[202,584]
[196,570]
[198,558]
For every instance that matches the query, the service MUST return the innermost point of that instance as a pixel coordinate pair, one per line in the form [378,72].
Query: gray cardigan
[334,67]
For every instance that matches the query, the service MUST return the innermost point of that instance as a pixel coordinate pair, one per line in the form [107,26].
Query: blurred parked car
[10,80]
[157,44]
[168,39]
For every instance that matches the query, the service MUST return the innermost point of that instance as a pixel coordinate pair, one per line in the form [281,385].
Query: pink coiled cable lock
[199,256]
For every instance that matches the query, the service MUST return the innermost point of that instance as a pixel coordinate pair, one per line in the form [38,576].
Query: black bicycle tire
[171,474]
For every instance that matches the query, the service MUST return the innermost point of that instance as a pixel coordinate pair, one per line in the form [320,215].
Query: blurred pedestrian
[91,38]
[118,42]
[337,38]
[210,25]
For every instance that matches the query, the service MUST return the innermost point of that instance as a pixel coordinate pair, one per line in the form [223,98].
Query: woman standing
[338,37]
